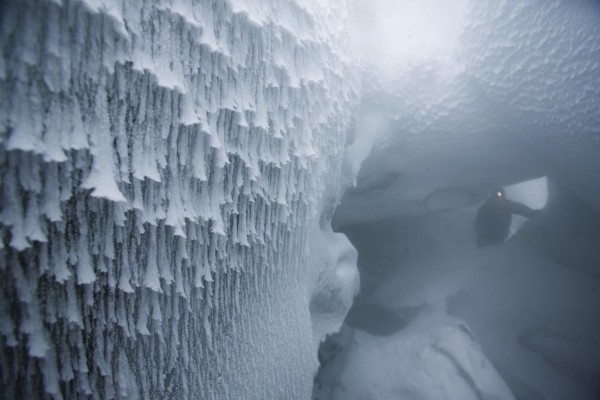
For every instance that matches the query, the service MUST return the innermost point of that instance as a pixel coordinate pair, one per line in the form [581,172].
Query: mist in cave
[300,199]
[480,103]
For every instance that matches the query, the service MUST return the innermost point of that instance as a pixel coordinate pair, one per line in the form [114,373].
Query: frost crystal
[162,165]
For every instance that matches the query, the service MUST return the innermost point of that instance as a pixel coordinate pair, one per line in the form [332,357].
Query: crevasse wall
[162,165]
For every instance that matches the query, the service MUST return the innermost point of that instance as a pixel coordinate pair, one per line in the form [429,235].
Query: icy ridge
[160,164]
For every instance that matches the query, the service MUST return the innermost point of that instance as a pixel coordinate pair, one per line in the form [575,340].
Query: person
[492,223]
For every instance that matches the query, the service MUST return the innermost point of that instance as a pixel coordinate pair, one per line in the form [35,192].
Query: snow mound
[436,357]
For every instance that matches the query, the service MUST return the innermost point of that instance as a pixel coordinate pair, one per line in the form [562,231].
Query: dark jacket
[492,223]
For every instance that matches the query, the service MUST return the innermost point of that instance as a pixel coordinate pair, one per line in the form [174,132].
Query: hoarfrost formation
[163,167]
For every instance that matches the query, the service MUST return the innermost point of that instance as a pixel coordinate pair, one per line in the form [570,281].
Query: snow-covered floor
[435,357]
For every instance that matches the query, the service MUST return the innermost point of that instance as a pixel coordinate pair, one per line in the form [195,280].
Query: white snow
[164,167]
[436,357]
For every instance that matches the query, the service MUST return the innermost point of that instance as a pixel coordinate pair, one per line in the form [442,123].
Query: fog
[294,199]
[464,98]
[396,36]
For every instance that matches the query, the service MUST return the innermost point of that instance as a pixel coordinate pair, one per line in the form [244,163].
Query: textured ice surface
[515,98]
[163,165]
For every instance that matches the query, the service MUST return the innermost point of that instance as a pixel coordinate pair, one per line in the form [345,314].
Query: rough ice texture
[162,164]
[517,98]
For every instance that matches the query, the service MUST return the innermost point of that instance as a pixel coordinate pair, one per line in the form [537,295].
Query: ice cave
[283,199]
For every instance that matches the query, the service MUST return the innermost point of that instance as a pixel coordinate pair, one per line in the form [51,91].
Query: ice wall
[162,165]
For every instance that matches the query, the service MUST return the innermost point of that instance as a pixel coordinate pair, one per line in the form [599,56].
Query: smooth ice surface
[436,357]
[532,193]
[168,172]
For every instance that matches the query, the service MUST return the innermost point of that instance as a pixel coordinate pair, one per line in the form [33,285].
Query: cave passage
[525,312]
[461,114]
[186,186]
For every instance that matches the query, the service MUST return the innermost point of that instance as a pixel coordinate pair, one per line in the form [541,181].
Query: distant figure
[492,223]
